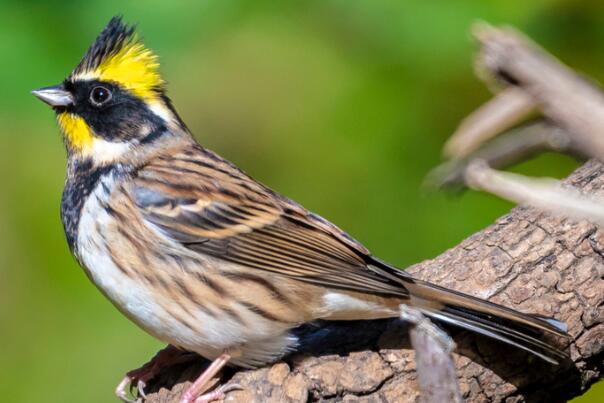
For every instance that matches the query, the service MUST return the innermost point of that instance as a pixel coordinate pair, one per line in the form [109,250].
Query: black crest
[109,42]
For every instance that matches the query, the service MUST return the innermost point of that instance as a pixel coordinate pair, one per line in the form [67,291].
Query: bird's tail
[486,318]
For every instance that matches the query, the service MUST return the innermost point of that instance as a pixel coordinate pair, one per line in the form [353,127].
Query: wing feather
[213,208]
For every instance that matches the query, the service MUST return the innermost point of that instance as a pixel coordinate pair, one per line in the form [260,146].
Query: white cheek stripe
[105,152]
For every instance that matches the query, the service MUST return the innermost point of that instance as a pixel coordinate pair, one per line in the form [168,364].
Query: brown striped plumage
[215,211]
[202,256]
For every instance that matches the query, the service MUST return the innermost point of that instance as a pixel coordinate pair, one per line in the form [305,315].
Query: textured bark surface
[527,260]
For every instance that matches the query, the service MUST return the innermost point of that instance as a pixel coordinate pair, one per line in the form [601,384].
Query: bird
[205,258]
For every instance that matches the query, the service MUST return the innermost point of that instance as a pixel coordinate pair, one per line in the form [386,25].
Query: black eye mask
[112,112]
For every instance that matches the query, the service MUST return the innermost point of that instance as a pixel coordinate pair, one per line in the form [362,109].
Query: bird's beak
[55,96]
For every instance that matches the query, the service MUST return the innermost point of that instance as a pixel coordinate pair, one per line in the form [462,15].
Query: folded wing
[211,207]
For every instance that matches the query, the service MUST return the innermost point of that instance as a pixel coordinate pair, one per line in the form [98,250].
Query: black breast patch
[82,179]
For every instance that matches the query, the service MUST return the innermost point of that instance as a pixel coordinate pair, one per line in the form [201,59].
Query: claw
[231,387]
[120,390]
[140,387]
[137,378]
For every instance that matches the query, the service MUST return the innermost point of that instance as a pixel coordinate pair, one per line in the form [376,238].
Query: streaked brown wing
[213,208]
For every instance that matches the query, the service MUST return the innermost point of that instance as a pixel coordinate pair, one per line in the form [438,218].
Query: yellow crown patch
[119,56]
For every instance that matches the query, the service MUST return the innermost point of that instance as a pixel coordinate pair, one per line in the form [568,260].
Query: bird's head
[114,101]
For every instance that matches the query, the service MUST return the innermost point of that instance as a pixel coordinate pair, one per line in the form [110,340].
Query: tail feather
[527,332]
[486,318]
[525,342]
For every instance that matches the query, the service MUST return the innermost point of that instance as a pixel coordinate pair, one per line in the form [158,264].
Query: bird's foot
[139,377]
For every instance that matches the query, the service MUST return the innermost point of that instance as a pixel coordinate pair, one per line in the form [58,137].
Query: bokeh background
[342,105]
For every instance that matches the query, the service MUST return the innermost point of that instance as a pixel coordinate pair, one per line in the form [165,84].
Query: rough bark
[527,260]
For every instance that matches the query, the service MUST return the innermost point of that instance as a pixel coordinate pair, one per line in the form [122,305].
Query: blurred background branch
[534,81]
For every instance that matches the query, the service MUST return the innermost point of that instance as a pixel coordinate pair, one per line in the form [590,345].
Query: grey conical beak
[55,96]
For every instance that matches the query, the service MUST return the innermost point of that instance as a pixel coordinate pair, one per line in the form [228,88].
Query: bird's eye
[100,96]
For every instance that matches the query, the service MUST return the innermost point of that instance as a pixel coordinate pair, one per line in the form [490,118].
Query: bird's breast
[184,299]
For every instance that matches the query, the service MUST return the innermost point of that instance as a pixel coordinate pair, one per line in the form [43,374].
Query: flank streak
[262,312]
[191,297]
[262,282]
[217,288]
[233,314]
[116,261]
[136,244]
[181,320]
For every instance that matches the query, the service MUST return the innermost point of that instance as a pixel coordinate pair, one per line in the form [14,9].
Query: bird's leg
[138,377]
[194,393]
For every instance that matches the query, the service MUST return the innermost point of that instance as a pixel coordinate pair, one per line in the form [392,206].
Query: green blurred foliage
[342,105]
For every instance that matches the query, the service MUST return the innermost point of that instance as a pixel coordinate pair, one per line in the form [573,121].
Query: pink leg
[194,393]
[139,377]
